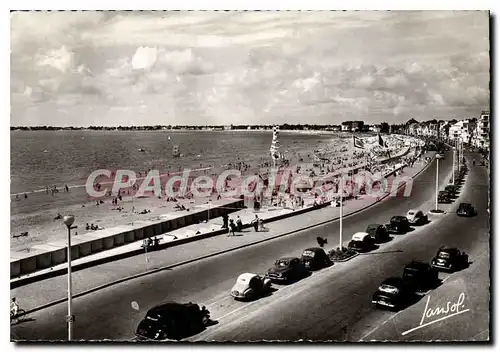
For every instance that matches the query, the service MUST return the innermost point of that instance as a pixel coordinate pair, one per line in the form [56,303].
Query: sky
[220,68]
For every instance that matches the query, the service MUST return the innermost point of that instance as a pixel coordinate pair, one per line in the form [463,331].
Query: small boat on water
[45,151]
[141,150]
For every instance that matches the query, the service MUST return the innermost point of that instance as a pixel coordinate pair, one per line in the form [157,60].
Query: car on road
[452,190]
[250,286]
[422,276]
[361,242]
[393,293]
[466,209]
[398,224]
[378,232]
[444,197]
[450,259]
[315,258]
[172,320]
[416,217]
[286,270]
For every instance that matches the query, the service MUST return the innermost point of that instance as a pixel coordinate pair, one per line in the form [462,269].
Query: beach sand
[36,213]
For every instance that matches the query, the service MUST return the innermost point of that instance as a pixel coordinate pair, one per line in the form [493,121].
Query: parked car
[393,293]
[398,224]
[466,209]
[450,259]
[361,242]
[444,197]
[452,190]
[286,269]
[416,217]
[315,258]
[421,276]
[250,286]
[172,320]
[378,232]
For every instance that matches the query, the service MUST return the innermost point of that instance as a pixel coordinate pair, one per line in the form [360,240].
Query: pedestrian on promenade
[232,228]
[255,223]
[225,220]
[239,224]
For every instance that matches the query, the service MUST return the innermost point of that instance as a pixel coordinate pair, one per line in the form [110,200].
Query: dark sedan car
[421,276]
[450,259]
[286,269]
[451,190]
[393,293]
[444,197]
[378,232]
[173,321]
[398,224]
[315,258]
[466,209]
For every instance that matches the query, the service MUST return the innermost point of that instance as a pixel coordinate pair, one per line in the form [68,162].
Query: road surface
[332,304]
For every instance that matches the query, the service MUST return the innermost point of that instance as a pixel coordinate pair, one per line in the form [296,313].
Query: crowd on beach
[317,163]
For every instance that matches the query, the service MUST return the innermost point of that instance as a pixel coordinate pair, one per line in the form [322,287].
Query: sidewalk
[49,290]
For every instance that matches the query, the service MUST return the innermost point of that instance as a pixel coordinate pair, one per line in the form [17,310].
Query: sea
[48,158]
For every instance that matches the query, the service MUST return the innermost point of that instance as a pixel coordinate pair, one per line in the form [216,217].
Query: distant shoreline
[112,129]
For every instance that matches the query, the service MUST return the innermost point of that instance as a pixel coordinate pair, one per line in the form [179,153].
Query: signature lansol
[440,313]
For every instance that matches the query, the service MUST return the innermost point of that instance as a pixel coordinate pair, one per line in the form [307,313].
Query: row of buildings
[473,131]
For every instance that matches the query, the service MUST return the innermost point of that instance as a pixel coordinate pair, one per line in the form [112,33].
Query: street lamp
[453,170]
[68,220]
[438,156]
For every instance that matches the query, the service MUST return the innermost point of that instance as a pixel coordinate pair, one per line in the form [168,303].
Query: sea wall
[53,253]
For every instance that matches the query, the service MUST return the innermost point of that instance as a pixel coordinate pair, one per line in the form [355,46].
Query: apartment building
[482,131]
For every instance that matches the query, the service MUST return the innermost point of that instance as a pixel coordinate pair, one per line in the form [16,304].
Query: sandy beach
[37,214]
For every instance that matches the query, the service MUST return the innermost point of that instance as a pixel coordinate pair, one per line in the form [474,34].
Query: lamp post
[453,169]
[68,220]
[437,180]
[341,210]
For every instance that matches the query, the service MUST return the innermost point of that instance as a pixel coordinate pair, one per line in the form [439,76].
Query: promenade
[42,292]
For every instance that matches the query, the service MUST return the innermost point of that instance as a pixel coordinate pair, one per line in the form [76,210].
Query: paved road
[108,313]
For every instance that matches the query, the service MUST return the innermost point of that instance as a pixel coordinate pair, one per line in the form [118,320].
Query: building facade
[461,130]
[482,131]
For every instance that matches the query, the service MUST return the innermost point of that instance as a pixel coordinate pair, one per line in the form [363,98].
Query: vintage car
[361,242]
[398,224]
[286,270]
[465,209]
[450,259]
[378,232]
[421,276]
[250,286]
[416,217]
[173,320]
[315,258]
[393,293]
[444,197]
[451,190]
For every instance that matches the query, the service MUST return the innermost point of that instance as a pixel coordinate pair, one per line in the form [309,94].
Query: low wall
[53,253]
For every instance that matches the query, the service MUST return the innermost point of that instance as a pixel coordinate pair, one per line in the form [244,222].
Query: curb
[346,259]
[77,295]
